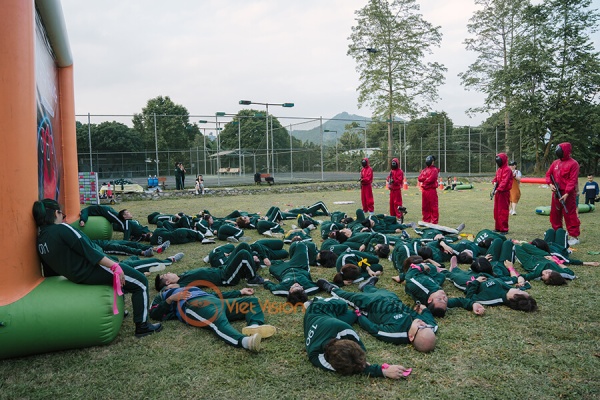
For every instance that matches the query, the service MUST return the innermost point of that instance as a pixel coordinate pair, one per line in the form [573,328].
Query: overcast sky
[208,54]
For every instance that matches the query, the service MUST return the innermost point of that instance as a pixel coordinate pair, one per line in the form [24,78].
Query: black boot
[144,329]
[369,282]
[326,286]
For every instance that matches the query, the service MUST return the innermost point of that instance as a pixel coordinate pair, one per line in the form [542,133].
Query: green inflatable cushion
[59,315]
[581,208]
[96,228]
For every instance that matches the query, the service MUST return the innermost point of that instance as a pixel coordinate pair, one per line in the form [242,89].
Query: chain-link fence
[307,148]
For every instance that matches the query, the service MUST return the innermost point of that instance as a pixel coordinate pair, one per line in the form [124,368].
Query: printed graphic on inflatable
[48,175]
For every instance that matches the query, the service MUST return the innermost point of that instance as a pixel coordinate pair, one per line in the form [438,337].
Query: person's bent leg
[238,266]
[561,238]
[550,235]
[508,251]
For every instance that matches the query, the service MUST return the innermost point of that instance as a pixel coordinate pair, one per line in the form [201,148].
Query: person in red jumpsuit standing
[429,198]
[565,171]
[395,181]
[366,187]
[503,182]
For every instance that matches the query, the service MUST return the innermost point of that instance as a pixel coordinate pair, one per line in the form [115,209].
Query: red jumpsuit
[429,198]
[395,181]
[504,179]
[566,172]
[366,188]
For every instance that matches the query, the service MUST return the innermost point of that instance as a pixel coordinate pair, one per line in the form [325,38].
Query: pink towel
[117,291]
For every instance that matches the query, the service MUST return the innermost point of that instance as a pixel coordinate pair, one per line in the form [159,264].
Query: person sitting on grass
[66,251]
[195,307]
[332,344]
[382,314]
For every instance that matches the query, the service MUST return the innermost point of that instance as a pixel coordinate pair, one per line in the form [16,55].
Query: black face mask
[498,161]
[363,163]
[394,165]
[559,152]
[429,160]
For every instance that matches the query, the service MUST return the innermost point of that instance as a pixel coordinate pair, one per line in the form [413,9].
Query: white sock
[245,342]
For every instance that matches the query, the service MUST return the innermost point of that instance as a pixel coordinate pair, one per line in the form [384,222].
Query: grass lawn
[549,354]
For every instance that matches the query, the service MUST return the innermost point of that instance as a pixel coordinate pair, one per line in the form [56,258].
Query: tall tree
[495,28]
[173,129]
[389,44]
[556,78]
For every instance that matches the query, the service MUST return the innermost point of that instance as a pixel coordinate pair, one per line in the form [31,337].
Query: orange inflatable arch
[38,159]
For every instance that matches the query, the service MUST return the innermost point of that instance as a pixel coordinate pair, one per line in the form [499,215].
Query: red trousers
[366,197]
[395,201]
[429,206]
[501,207]
[557,213]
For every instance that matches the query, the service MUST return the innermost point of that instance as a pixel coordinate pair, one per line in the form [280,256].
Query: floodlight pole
[248,102]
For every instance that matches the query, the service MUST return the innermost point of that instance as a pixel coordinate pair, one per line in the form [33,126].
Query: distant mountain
[337,123]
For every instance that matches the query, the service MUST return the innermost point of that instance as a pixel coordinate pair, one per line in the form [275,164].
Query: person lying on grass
[332,344]
[382,314]
[195,307]
[424,284]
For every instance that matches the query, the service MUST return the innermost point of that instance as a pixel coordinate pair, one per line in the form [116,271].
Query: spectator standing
[515,190]
[590,190]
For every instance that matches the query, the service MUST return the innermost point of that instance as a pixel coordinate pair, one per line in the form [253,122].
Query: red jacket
[366,174]
[565,171]
[396,176]
[428,177]
[504,175]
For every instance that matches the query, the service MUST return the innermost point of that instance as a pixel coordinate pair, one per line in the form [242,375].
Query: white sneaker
[264,330]
[573,241]
[176,257]
[268,233]
[232,239]
[207,241]
[205,259]
[157,268]
[254,343]
[209,233]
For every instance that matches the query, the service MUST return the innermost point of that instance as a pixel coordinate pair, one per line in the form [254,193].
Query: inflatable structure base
[581,208]
[59,315]
[464,186]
